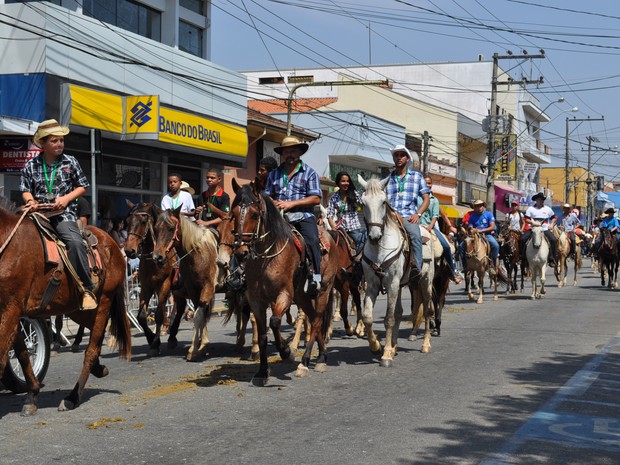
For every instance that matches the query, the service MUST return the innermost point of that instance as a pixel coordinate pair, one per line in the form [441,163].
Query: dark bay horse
[608,255]
[196,249]
[275,275]
[509,252]
[153,279]
[24,277]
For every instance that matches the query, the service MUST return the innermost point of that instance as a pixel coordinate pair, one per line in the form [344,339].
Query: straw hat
[292,141]
[186,187]
[49,127]
[478,202]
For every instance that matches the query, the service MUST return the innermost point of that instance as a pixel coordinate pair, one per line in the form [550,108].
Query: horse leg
[79,335]
[534,272]
[200,325]
[243,313]
[469,281]
[394,306]
[58,340]
[428,314]
[91,355]
[180,302]
[299,326]
[262,376]
[255,352]
[416,314]
[369,304]
[480,286]
[543,273]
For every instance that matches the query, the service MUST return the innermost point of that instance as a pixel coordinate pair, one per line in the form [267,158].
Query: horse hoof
[66,405]
[435,333]
[259,381]
[28,410]
[302,371]
[495,298]
[254,356]
[172,343]
[387,362]
[99,371]
[75,348]
[320,367]
[412,337]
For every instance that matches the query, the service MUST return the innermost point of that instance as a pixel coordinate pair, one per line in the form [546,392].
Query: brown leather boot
[89,301]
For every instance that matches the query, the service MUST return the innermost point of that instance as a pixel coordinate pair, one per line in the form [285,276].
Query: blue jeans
[415,238]
[359,237]
[447,253]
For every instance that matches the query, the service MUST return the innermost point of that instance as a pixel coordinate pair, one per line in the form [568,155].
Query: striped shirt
[342,212]
[302,184]
[403,192]
[68,177]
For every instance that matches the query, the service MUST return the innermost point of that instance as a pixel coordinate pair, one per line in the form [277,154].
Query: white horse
[384,263]
[537,252]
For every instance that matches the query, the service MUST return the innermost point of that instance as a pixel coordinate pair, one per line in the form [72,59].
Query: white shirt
[514,222]
[543,214]
[184,200]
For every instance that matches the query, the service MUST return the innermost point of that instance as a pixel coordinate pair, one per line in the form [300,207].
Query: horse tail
[441,282]
[502,277]
[120,328]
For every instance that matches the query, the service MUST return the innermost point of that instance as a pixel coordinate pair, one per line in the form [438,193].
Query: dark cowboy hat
[540,195]
[292,141]
[610,210]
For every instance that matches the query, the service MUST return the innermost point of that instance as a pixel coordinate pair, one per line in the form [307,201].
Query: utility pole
[567,156]
[385,83]
[493,115]
[425,138]
[589,182]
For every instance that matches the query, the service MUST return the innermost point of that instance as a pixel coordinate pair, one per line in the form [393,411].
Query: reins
[12,233]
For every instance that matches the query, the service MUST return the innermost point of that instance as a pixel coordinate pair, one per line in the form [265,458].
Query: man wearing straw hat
[56,179]
[295,188]
[570,223]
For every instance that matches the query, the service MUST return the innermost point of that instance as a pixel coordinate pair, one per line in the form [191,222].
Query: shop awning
[455,211]
[502,191]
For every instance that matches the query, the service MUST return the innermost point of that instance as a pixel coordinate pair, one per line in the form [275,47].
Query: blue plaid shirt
[304,183]
[69,176]
[343,213]
[403,193]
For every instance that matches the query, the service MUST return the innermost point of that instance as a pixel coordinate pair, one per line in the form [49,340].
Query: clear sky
[581,42]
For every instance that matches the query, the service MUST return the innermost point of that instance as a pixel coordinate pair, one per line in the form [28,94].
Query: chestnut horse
[478,261]
[24,278]
[608,257]
[153,279]
[196,248]
[276,273]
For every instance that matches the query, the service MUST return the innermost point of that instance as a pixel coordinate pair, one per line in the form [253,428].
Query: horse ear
[362,181]
[235,185]
[130,204]
[177,211]
[384,182]
[255,188]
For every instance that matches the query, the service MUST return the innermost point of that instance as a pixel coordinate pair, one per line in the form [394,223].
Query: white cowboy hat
[186,187]
[49,127]
[401,148]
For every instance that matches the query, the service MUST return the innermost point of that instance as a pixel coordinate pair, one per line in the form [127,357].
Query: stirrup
[89,301]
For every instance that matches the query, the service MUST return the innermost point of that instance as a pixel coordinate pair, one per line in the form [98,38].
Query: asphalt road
[508,382]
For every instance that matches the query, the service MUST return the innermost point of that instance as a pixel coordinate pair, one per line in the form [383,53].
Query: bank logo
[140,114]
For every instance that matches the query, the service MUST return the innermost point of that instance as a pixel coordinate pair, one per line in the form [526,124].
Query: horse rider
[611,223]
[484,221]
[514,219]
[570,222]
[343,208]
[543,214]
[177,197]
[428,220]
[403,189]
[295,189]
[56,179]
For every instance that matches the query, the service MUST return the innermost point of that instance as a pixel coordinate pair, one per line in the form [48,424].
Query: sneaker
[456,279]
[89,301]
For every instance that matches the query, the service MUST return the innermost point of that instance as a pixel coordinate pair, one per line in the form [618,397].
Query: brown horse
[154,279]
[275,274]
[196,249]
[608,257]
[24,278]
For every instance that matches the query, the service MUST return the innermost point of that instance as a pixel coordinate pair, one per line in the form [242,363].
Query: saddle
[55,255]
[341,235]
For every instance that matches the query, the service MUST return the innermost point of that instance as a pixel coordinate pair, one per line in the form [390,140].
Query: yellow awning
[455,211]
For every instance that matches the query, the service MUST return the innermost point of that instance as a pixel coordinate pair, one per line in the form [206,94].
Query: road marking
[550,425]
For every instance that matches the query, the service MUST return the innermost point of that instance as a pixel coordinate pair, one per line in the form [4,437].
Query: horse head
[140,232]
[167,234]
[475,245]
[609,241]
[374,204]
[537,234]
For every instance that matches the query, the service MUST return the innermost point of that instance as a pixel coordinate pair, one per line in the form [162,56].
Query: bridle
[254,238]
[148,228]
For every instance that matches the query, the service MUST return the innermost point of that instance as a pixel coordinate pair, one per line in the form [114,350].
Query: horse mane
[193,236]
[374,188]
[279,229]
